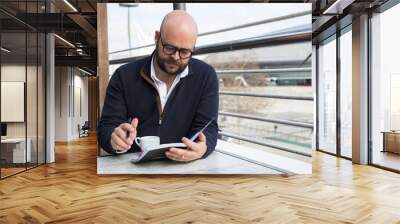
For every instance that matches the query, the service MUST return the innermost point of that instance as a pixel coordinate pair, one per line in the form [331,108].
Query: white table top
[228,158]
[215,163]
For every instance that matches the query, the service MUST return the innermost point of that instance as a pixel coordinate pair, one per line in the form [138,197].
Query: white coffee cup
[147,142]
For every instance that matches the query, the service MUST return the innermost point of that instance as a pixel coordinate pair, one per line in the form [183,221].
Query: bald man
[168,94]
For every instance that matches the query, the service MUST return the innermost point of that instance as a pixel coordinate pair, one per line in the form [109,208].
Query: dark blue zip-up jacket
[192,103]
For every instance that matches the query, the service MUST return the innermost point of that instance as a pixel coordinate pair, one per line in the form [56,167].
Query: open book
[154,153]
[158,152]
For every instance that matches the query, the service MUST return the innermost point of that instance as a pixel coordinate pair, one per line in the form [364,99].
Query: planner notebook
[155,153]
[158,152]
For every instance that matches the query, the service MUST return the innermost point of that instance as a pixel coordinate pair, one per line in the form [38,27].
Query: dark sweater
[132,93]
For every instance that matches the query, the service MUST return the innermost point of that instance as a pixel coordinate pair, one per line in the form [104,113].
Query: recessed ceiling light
[337,7]
[70,5]
[128,4]
[86,72]
[64,40]
[5,50]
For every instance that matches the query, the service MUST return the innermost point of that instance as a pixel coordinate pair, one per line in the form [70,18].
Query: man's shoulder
[130,67]
[200,63]
[201,66]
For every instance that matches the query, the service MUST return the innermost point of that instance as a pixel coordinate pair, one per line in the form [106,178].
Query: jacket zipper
[160,119]
[160,110]
[171,96]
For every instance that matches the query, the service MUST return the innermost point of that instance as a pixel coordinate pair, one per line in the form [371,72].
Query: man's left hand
[195,150]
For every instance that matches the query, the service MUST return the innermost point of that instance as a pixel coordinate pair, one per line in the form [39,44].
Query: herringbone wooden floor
[70,191]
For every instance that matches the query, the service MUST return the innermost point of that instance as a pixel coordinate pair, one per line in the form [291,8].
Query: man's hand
[195,150]
[123,136]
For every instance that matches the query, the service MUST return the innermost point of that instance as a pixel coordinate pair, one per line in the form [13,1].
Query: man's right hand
[123,136]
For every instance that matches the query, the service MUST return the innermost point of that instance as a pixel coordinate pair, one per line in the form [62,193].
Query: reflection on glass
[278,79]
[144,24]
[294,138]
[13,85]
[148,16]
[346,94]
[259,12]
[385,93]
[22,90]
[327,96]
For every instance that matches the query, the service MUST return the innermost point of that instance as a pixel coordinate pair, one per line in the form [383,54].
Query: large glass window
[259,12]
[346,92]
[327,95]
[14,153]
[282,70]
[293,83]
[136,28]
[22,90]
[285,74]
[385,87]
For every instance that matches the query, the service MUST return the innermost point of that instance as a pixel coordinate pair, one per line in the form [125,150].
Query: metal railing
[276,121]
[262,71]
[309,126]
[263,143]
[270,20]
[272,96]
[297,35]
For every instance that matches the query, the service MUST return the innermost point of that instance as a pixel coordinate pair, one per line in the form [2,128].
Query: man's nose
[175,55]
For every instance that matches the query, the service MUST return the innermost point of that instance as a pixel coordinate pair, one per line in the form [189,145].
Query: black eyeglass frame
[172,49]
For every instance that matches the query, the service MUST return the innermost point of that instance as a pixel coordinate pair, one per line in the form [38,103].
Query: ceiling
[74,22]
[331,15]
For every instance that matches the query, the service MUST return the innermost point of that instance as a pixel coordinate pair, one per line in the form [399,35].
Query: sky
[146,19]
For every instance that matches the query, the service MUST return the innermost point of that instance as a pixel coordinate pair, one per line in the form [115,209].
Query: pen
[198,133]
[129,122]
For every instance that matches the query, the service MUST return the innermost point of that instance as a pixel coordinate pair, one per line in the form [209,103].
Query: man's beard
[162,64]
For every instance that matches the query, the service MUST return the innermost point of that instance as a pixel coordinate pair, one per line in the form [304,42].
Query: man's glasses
[170,50]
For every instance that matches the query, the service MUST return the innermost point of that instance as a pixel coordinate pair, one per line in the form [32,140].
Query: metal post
[315,83]
[360,90]
[129,28]
[338,98]
[50,93]
[179,6]
[129,6]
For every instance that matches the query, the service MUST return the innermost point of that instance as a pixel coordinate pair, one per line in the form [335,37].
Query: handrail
[273,70]
[302,35]
[229,93]
[270,20]
[277,121]
[263,143]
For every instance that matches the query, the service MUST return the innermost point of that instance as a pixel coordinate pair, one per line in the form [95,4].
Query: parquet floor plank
[70,191]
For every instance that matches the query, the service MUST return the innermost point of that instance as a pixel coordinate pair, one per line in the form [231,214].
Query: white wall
[33,125]
[69,85]
[12,73]
[80,84]
[61,103]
